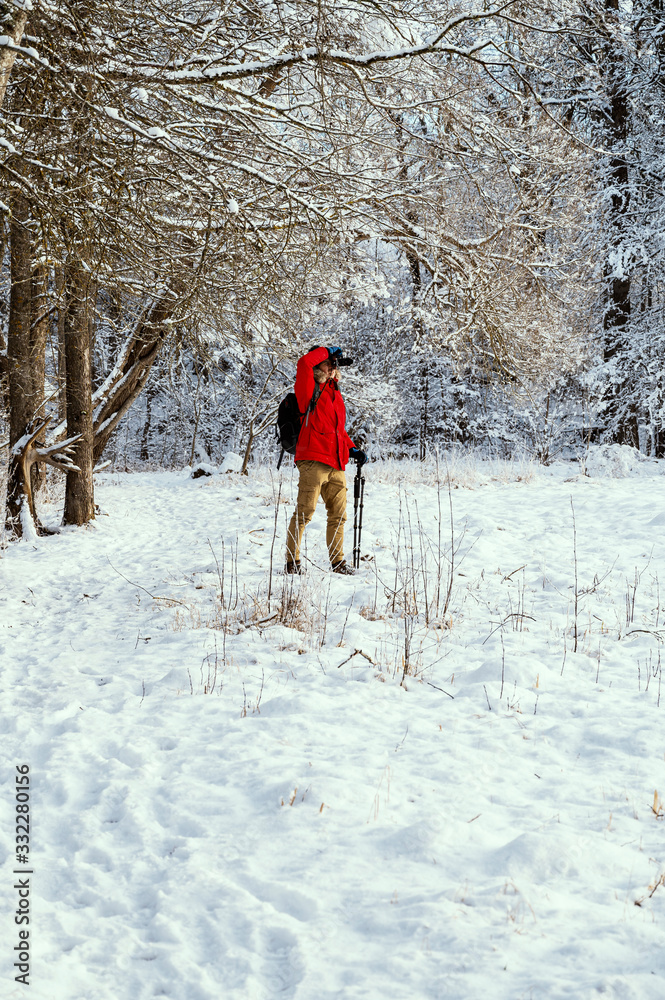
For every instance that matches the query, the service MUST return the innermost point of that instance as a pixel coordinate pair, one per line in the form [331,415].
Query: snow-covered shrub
[614,461]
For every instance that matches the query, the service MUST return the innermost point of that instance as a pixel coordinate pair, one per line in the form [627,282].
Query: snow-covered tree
[615,88]
[207,168]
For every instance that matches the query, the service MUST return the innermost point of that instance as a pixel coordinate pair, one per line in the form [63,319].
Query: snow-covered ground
[403,784]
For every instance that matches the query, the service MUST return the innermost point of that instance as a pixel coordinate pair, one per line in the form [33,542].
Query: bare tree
[206,168]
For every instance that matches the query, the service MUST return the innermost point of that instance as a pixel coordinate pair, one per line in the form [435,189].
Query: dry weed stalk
[424,578]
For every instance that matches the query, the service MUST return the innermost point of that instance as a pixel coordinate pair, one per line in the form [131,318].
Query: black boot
[293,568]
[343,568]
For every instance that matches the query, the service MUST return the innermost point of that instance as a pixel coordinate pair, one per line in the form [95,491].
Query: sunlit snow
[237,793]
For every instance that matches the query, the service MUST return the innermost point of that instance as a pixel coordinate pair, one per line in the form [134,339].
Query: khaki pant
[319,479]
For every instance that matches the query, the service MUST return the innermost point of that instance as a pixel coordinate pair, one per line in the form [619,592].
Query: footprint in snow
[282,964]
[287,901]
[113,804]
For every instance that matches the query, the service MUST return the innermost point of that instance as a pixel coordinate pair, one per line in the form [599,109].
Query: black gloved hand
[356,455]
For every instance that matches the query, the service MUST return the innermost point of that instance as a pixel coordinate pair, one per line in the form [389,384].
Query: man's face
[327,367]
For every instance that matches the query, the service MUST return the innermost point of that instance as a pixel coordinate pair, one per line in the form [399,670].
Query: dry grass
[466,469]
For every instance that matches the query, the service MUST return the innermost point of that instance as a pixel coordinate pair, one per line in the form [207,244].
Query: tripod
[358,495]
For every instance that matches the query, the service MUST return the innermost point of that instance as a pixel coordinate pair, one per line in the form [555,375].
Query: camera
[335,355]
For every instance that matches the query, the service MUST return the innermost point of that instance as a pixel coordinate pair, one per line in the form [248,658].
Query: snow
[231,462]
[7,42]
[28,529]
[203,469]
[614,460]
[226,804]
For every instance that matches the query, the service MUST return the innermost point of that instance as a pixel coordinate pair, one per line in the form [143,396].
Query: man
[322,452]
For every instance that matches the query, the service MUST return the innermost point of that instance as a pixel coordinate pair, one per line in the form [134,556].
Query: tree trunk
[79,493]
[422,386]
[39,328]
[4,361]
[130,375]
[112,400]
[145,438]
[423,392]
[62,366]
[622,414]
[248,449]
[13,24]
[21,401]
[21,408]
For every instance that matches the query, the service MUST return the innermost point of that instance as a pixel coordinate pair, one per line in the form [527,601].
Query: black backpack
[289,422]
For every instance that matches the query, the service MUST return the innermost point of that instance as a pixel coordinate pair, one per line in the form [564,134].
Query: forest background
[468,197]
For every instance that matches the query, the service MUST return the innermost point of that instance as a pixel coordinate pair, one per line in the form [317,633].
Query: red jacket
[323,436]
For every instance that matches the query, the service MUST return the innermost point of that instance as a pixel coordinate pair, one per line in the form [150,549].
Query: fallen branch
[153,596]
[27,452]
[440,689]
[357,652]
